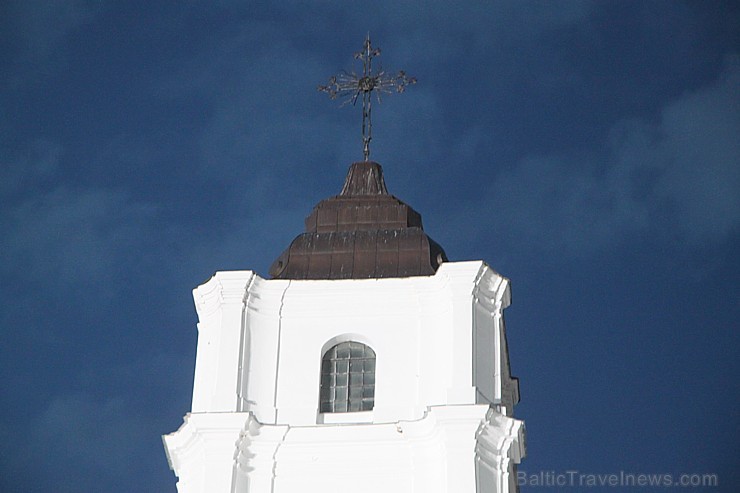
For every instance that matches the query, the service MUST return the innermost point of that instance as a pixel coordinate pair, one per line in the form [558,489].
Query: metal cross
[350,85]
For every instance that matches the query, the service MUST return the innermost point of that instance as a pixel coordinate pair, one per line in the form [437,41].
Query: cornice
[226,287]
[250,451]
[361,297]
[492,290]
[188,441]
[232,287]
[265,296]
[500,439]
[430,425]
[387,448]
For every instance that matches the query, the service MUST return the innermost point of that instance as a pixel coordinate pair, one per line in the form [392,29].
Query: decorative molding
[435,337]
[265,296]
[190,441]
[492,290]
[413,450]
[223,288]
[500,439]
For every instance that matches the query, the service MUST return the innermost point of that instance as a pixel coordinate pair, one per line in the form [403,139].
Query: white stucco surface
[443,391]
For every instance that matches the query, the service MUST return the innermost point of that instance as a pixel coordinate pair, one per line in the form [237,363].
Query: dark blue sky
[586,150]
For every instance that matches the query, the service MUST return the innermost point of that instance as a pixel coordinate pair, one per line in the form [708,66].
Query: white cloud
[101,438]
[677,179]
[67,236]
[38,162]
[41,25]
[61,238]
[701,166]
[82,443]
[37,31]
[85,427]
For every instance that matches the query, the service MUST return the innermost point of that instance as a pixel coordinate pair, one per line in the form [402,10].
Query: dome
[362,233]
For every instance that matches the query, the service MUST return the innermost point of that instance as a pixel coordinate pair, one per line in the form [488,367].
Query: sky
[588,151]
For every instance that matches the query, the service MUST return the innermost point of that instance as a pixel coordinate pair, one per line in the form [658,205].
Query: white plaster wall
[439,342]
[451,449]
[435,454]
[491,375]
[201,452]
[500,445]
[220,305]
[260,344]
[317,314]
[423,330]
[436,338]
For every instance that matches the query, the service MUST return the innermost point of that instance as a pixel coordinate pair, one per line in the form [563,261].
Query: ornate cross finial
[351,85]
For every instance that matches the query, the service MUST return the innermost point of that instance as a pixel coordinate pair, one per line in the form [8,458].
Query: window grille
[348,378]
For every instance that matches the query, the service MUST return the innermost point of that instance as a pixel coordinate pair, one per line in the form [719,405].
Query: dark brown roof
[363,232]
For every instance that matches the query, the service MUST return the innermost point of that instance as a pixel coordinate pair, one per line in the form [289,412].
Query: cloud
[68,235]
[35,31]
[101,437]
[482,20]
[38,162]
[40,26]
[701,165]
[81,443]
[257,81]
[96,432]
[675,179]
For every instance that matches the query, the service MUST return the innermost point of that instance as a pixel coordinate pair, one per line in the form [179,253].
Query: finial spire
[351,85]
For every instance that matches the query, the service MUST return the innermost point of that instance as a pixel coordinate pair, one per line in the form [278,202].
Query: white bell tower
[368,363]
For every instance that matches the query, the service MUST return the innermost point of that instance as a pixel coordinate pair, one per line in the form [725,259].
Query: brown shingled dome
[361,233]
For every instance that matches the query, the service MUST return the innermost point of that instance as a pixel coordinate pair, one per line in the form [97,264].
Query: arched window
[348,378]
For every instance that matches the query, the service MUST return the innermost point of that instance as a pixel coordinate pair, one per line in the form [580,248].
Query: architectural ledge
[492,290]
[500,439]
[223,287]
[191,439]
[403,454]
[341,432]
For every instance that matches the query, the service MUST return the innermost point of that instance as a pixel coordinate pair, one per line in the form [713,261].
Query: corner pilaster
[220,305]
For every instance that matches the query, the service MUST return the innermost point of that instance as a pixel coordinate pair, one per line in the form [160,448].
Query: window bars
[348,378]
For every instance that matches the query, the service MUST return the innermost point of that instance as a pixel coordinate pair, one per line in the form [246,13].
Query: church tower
[367,362]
